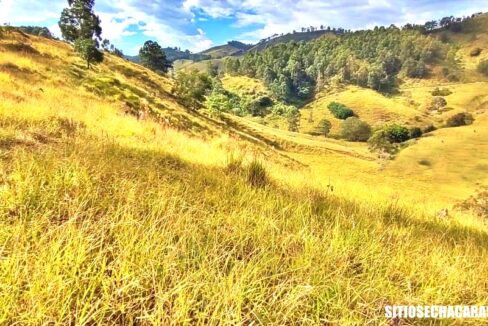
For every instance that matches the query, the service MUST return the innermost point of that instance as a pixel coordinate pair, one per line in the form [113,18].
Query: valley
[130,195]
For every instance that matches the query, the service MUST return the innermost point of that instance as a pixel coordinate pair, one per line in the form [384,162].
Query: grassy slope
[201,66]
[108,219]
[222,51]
[457,155]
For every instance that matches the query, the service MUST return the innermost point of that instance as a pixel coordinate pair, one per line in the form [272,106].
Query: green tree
[153,57]
[396,133]
[293,118]
[379,141]
[80,25]
[88,51]
[340,111]
[354,129]
[79,21]
[192,87]
[324,127]
[212,69]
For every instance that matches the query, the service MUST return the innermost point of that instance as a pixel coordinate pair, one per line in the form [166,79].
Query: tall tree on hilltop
[80,25]
[153,57]
[79,21]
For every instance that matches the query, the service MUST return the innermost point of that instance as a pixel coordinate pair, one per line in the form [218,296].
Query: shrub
[259,106]
[354,129]
[460,119]
[218,102]
[396,133]
[379,142]
[475,52]
[88,51]
[294,121]
[483,67]
[264,101]
[256,174]
[324,127]
[340,111]
[453,77]
[233,164]
[415,69]
[415,132]
[283,109]
[438,103]
[191,87]
[477,204]
[441,92]
[429,128]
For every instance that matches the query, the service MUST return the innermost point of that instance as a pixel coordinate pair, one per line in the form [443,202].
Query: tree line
[372,58]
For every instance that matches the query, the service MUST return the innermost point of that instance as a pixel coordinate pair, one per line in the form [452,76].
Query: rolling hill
[232,48]
[289,37]
[119,205]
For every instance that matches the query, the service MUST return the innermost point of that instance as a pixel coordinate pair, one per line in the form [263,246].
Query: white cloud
[282,16]
[175,22]
[18,12]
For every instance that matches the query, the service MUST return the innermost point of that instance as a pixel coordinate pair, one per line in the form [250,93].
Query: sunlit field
[175,216]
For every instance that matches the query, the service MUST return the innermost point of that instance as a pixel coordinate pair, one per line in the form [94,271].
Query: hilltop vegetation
[232,48]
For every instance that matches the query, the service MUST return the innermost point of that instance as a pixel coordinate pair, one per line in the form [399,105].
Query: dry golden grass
[110,219]
[242,85]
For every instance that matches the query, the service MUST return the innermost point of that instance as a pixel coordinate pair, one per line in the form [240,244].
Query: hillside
[289,37]
[175,54]
[232,48]
[122,206]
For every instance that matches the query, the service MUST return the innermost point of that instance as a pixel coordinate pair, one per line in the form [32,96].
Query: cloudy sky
[200,24]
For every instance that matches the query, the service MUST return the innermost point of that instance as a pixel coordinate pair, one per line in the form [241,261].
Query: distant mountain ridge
[232,48]
[173,54]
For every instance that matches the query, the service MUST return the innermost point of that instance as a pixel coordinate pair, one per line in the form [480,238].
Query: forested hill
[285,38]
[173,54]
[232,48]
[373,58]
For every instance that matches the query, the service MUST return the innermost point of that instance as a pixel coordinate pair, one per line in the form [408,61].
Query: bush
[415,132]
[428,129]
[354,129]
[441,92]
[218,102]
[475,52]
[438,103]
[340,111]
[191,87]
[294,121]
[324,127]
[264,101]
[283,109]
[483,67]
[259,106]
[379,142]
[88,51]
[396,133]
[460,119]
[477,204]
[256,174]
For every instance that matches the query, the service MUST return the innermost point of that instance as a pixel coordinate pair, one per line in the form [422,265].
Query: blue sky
[200,24]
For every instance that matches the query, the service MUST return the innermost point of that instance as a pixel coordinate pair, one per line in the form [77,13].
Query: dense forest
[366,58]
[371,58]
